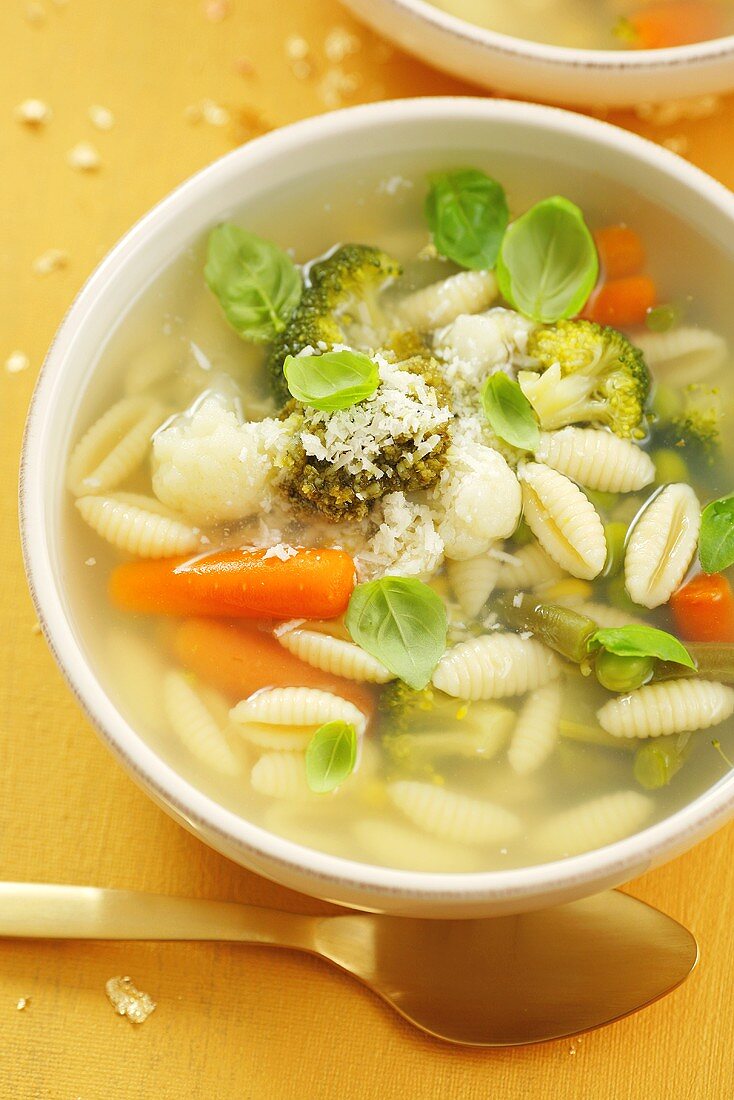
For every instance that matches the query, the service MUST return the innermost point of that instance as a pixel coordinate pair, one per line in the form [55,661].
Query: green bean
[656,762]
[616,534]
[713,661]
[561,629]
[594,735]
[619,673]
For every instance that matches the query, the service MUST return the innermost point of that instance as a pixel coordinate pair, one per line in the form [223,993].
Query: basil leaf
[334,380]
[467,214]
[641,641]
[716,540]
[330,756]
[509,412]
[257,284]
[548,264]
[402,622]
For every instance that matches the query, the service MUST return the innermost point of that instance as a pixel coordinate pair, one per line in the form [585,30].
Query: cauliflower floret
[478,499]
[405,543]
[211,468]
[475,344]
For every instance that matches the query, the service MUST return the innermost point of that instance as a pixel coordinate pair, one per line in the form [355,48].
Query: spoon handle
[40,911]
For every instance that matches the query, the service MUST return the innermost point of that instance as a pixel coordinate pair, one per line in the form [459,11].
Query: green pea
[662,318]
[657,761]
[615,533]
[618,596]
[666,402]
[670,465]
[618,673]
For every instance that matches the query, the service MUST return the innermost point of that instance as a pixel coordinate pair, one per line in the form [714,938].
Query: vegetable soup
[600,24]
[400,523]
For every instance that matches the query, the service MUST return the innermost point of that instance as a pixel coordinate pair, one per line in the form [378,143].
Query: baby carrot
[239,658]
[703,609]
[238,584]
[677,23]
[622,302]
[621,251]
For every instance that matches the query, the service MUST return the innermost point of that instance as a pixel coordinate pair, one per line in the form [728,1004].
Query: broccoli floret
[400,706]
[339,305]
[357,455]
[588,374]
[695,427]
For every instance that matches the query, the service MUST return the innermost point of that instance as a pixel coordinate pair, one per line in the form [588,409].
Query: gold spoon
[499,981]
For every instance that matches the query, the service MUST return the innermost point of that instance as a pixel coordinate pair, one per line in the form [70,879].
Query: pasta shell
[661,545]
[195,725]
[595,823]
[440,303]
[334,655]
[395,845]
[597,459]
[676,706]
[683,355]
[472,581]
[563,520]
[139,525]
[297,706]
[280,775]
[529,568]
[536,732]
[495,666]
[452,816]
[114,446]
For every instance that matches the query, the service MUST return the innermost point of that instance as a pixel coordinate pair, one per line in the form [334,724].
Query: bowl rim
[199,812]
[639,61]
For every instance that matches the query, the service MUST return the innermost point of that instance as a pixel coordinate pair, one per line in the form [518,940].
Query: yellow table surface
[232,1021]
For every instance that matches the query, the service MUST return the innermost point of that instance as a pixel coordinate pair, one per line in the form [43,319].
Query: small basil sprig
[467,214]
[716,540]
[509,412]
[401,622]
[548,264]
[334,380]
[257,284]
[641,641]
[331,756]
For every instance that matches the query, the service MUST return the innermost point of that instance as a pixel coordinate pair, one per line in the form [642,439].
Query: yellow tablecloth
[232,1022]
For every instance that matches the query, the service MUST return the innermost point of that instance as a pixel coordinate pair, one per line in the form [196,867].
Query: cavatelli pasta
[196,726]
[114,446]
[334,655]
[395,845]
[452,816]
[297,706]
[280,775]
[495,666]
[530,568]
[563,520]
[440,303]
[676,706]
[139,525]
[472,581]
[596,459]
[536,732]
[595,823]
[683,355]
[275,738]
[661,545]
[139,670]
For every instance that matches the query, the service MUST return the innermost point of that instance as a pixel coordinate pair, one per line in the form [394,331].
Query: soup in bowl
[375,503]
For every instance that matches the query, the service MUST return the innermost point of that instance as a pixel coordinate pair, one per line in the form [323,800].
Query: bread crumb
[33,112]
[91,561]
[53,259]
[84,157]
[36,628]
[213,113]
[129,1001]
[23,1003]
[101,117]
[16,362]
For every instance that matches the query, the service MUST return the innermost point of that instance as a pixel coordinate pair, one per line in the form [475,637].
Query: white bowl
[552,74]
[441,129]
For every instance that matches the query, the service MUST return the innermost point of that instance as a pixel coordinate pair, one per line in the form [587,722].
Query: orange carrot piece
[238,584]
[622,302]
[239,659]
[676,23]
[621,251]
[704,609]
